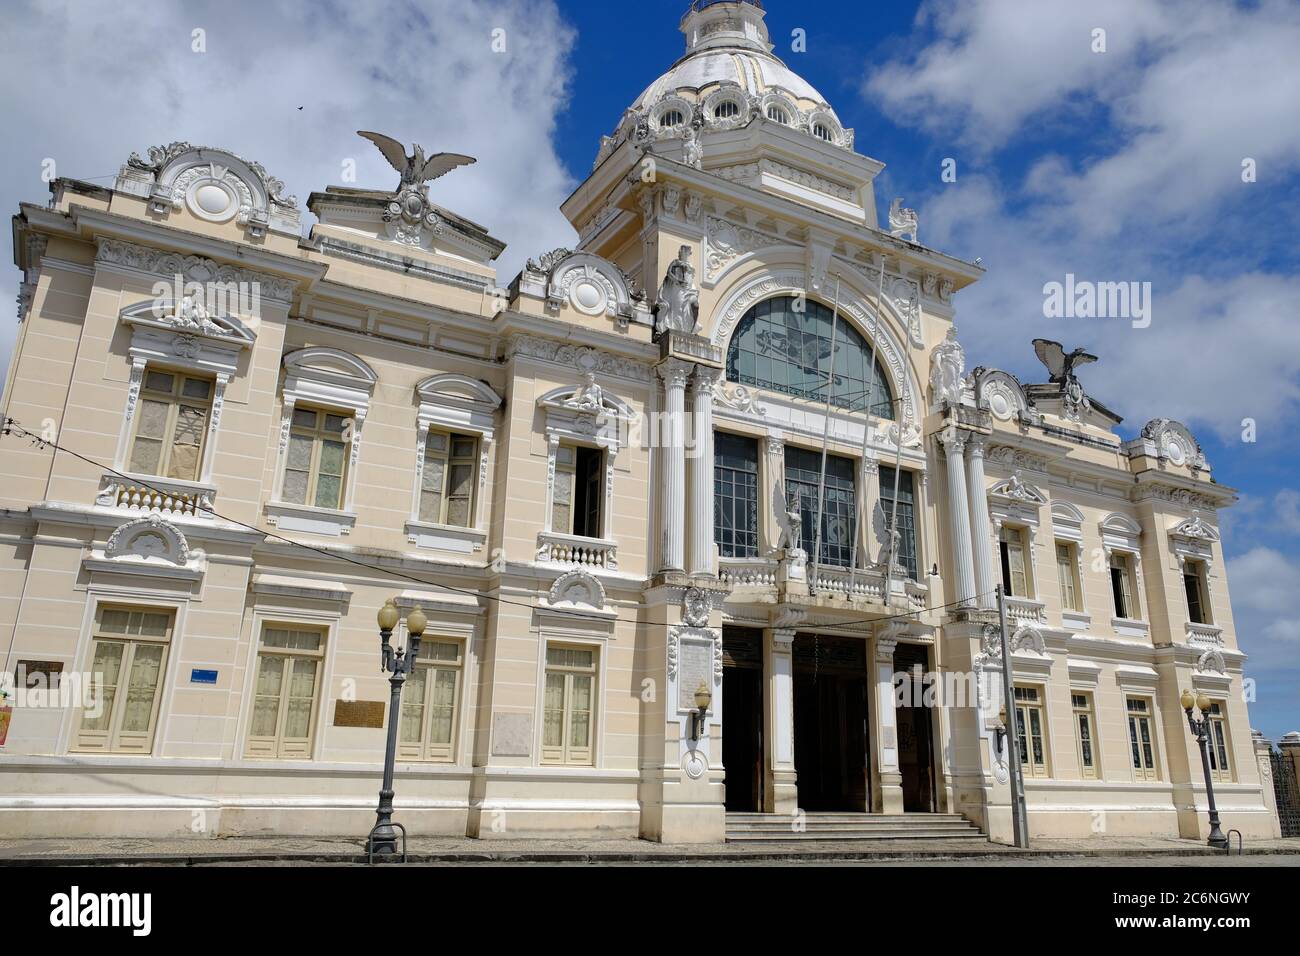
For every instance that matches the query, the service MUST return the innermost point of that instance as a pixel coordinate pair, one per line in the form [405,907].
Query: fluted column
[887,779]
[672,452]
[981,531]
[702,549]
[959,519]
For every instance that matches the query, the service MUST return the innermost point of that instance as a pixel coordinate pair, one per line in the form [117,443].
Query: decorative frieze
[197,269]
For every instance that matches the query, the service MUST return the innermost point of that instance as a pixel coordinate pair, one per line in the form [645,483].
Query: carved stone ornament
[902,222]
[151,538]
[695,607]
[191,269]
[577,589]
[738,397]
[1174,442]
[678,307]
[1195,528]
[947,366]
[1017,489]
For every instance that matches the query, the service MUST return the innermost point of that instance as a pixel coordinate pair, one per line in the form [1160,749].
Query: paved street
[271,851]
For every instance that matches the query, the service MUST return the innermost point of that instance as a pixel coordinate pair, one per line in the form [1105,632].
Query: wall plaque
[512,735]
[695,668]
[29,675]
[358,713]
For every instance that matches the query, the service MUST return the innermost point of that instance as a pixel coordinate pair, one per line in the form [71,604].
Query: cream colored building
[594,515]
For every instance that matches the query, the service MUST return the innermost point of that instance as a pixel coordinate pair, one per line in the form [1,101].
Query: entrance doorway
[830,723]
[915,729]
[742,730]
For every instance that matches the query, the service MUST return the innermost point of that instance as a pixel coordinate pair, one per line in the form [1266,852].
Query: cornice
[94,224]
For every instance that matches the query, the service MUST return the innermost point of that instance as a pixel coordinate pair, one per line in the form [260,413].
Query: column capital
[674,372]
[975,444]
[775,445]
[953,441]
[704,379]
[783,639]
[870,466]
[885,649]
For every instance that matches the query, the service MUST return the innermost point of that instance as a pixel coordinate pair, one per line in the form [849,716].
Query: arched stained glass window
[778,348]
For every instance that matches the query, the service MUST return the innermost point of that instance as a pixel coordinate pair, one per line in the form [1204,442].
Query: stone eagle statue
[415,169]
[1060,365]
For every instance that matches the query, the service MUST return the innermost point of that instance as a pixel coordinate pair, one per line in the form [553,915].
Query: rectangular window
[171,422]
[1194,586]
[447,487]
[1085,736]
[428,730]
[578,491]
[1030,728]
[1220,766]
[1067,576]
[1121,586]
[128,658]
[285,691]
[1141,739]
[569,696]
[1015,580]
[838,503]
[317,458]
[906,512]
[735,495]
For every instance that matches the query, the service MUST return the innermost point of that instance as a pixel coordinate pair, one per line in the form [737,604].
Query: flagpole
[826,431]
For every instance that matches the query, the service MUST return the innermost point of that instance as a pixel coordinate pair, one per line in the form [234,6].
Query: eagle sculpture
[1059,364]
[415,169]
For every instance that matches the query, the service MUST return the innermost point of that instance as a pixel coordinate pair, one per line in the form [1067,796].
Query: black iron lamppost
[383,838]
[1201,731]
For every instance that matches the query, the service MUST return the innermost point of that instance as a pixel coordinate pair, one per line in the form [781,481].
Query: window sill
[1208,635]
[294,517]
[1076,620]
[445,537]
[1129,627]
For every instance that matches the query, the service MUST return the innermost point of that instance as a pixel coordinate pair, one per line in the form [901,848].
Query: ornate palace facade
[724,452]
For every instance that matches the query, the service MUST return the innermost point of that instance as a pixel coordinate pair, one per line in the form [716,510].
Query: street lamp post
[383,838]
[1201,731]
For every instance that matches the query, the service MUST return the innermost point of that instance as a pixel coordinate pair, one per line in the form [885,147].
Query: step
[853,836]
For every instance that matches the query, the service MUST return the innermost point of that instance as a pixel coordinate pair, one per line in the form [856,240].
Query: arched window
[672,118]
[778,115]
[822,131]
[726,109]
[785,350]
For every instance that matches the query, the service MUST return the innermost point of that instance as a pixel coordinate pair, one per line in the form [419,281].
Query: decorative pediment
[150,545]
[579,594]
[213,185]
[1194,529]
[1003,395]
[1193,538]
[329,376]
[1018,490]
[1067,521]
[191,315]
[1171,441]
[589,284]
[458,401]
[1120,532]
[586,411]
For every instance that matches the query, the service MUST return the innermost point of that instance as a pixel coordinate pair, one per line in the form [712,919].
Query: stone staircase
[849,827]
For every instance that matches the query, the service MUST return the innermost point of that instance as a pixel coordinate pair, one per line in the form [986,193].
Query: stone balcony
[1022,611]
[766,580]
[144,494]
[1204,635]
[573,551]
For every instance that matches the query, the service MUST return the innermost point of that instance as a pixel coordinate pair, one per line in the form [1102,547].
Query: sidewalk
[289,850]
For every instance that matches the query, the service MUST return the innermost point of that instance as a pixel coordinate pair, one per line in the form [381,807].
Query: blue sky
[1115,165]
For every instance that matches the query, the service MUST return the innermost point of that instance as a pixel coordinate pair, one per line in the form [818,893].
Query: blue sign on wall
[203,677]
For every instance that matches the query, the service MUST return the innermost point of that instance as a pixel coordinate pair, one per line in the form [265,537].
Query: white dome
[754,72]
[727,77]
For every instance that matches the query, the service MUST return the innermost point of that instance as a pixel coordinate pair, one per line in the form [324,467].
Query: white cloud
[87,84]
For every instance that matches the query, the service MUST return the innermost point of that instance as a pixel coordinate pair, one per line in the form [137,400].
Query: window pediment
[329,376]
[458,402]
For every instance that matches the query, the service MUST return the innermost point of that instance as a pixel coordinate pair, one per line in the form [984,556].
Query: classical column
[981,532]
[780,793]
[887,779]
[702,548]
[672,435]
[963,580]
